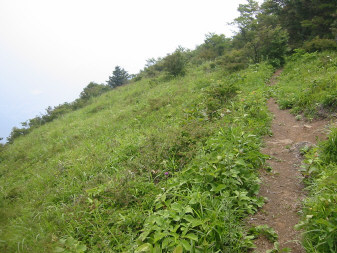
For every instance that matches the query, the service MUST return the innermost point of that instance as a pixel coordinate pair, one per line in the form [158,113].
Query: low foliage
[308,84]
[318,44]
[265,231]
[320,214]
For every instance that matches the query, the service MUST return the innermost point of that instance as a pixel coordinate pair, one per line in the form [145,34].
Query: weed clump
[319,218]
[308,84]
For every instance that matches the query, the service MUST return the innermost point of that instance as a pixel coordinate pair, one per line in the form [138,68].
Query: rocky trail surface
[283,186]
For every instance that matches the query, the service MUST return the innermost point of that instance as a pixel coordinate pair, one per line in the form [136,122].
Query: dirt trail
[283,186]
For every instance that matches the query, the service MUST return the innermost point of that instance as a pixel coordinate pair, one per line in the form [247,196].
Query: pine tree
[119,77]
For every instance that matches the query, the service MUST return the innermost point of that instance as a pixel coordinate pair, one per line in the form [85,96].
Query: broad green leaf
[158,220]
[186,245]
[175,217]
[62,241]
[177,207]
[157,249]
[178,249]
[146,247]
[192,237]
[240,162]
[174,230]
[188,209]
[70,242]
[81,248]
[166,242]
[219,188]
[58,250]
[158,236]
[143,235]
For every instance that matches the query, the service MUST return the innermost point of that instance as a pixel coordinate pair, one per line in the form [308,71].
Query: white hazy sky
[51,49]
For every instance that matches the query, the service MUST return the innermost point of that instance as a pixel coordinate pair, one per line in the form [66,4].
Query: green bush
[217,95]
[16,132]
[308,84]
[330,101]
[318,44]
[214,46]
[93,90]
[329,148]
[233,60]
[175,64]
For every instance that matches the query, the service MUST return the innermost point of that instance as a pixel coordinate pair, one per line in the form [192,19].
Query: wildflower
[166,173]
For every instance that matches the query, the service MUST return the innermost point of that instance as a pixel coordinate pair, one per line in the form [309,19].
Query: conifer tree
[119,77]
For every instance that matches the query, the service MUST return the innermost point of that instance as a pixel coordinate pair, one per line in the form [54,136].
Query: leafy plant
[318,44]
[175,64]
[265,231]
[319,218]
[277,249]
[70,245]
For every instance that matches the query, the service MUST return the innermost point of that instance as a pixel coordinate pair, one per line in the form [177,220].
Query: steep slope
[166,164]
[89,180]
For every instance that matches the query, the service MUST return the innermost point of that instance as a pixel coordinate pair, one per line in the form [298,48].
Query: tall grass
[91,180]
[308,84]
[320,209]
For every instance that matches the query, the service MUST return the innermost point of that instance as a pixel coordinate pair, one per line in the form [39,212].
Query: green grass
[308,84]
[164,165]
[320,210]
[94,180]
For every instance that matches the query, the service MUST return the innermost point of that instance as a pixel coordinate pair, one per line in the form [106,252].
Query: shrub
[217,95]
[329,148]
[93,90]
[234,60]
[213,46]
[318,44]
[175,64]
[330,101]
[273,42]
[16,132]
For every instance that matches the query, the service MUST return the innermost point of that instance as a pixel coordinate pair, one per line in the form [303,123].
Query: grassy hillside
[169,163]
[166,164]
[105,177]
[308,85]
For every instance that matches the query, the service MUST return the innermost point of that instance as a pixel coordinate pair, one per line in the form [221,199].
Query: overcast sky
[51,49]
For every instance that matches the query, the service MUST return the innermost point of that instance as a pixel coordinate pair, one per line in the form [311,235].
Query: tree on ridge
[119,77]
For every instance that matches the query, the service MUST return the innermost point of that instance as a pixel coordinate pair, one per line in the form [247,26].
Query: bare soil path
[283,186]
